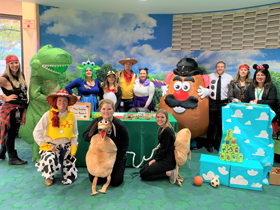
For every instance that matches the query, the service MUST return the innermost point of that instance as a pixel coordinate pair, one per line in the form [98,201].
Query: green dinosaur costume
[48,68]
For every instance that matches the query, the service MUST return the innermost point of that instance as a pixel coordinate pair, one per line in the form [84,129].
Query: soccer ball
[215,182]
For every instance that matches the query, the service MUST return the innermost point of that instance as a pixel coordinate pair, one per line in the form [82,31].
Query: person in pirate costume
[56,133]
[13,109]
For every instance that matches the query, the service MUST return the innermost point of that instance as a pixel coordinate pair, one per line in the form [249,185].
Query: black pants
[215,121]
[155,171]
[11,134]
[127,105]
[116,176]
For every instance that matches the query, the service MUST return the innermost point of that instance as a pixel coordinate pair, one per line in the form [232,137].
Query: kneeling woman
[56,133]
[164,163]
[120,138]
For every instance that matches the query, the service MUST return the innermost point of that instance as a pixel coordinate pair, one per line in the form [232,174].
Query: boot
[23,161]
[3,151]
[13,160]
[48,182]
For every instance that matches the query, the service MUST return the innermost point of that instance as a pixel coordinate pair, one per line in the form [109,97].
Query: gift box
[274,176]
[211,166]
[246,175]
[252,128]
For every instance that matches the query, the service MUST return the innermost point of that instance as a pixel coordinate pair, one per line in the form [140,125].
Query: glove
[164,89]
[203,92]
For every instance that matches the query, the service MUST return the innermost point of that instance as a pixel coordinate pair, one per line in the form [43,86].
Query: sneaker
[193,145]
[209,149]
[173,176]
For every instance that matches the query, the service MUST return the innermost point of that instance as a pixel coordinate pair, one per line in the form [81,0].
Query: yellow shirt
[66,127]
[127,88]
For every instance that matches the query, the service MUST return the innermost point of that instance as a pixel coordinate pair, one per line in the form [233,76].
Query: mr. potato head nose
[181,95]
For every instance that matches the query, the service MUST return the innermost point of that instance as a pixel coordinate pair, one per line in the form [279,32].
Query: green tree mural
[101,73]
[10,37]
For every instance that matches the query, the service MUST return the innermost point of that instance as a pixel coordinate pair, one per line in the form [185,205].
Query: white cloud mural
[252,172]
[210,175]
[249,107]
[239,180]
[260,152]
[263,116]
[270,145]
[265,180]
[268,164]
[110,37]
[263,134]
[236,130]
[257,185]
[228,120]
[247,141]
[248,123]
[238,114]
[223,170]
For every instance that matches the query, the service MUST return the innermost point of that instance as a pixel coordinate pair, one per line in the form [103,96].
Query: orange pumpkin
[186,106]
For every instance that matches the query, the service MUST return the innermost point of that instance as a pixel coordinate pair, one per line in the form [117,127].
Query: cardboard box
[247,175]
[211,166]
[274,178]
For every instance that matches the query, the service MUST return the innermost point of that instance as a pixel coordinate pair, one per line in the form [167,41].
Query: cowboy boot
[48,182]
[23,161]
[3,151]
[13,160]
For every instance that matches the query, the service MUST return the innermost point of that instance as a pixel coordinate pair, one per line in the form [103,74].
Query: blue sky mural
[110,37]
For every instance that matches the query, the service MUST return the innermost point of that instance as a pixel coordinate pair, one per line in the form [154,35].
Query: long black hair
[263,69]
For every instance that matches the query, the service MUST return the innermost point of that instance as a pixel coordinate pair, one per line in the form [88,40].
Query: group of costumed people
[56,132]
[124,87]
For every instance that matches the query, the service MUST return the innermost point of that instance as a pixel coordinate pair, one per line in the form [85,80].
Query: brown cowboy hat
[128,60]
[72,99]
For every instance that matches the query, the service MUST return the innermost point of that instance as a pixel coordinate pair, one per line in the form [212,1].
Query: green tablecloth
[142,139]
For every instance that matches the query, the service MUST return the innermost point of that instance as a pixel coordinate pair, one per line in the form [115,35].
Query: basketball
[198,180]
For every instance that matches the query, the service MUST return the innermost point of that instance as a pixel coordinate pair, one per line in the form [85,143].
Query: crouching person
[56,133]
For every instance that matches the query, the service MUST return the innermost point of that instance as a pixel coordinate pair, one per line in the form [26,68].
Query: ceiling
[153,6]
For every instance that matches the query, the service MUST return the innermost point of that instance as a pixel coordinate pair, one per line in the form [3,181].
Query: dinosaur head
[50,63]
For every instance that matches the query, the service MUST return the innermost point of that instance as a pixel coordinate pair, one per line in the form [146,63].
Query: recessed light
[142,0]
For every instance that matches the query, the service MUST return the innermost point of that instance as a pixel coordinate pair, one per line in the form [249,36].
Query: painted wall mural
[110,37]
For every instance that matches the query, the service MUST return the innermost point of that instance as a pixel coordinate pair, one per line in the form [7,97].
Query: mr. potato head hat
[64,93]
[128,60]
[187,67]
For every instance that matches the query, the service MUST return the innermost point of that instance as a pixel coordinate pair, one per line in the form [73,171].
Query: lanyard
[259,93]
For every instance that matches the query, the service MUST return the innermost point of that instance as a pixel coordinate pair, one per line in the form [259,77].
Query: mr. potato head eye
[181,88]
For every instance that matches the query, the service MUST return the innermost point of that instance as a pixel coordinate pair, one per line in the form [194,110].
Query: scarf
[127,76]
[145,82]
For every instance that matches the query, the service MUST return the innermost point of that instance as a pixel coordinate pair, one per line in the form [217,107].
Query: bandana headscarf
[10,58]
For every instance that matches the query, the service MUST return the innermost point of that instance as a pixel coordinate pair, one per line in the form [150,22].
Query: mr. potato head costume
[181,99]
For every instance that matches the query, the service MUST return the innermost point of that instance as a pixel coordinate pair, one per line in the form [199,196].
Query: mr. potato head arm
[203,92]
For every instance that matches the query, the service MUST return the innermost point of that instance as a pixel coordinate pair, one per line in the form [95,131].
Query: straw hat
[128,60]
[72,99]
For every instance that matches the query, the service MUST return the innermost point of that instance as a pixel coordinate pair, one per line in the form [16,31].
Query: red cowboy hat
[72,99]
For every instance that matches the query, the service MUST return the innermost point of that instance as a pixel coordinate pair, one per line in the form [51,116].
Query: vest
[66,127]
[127,88]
